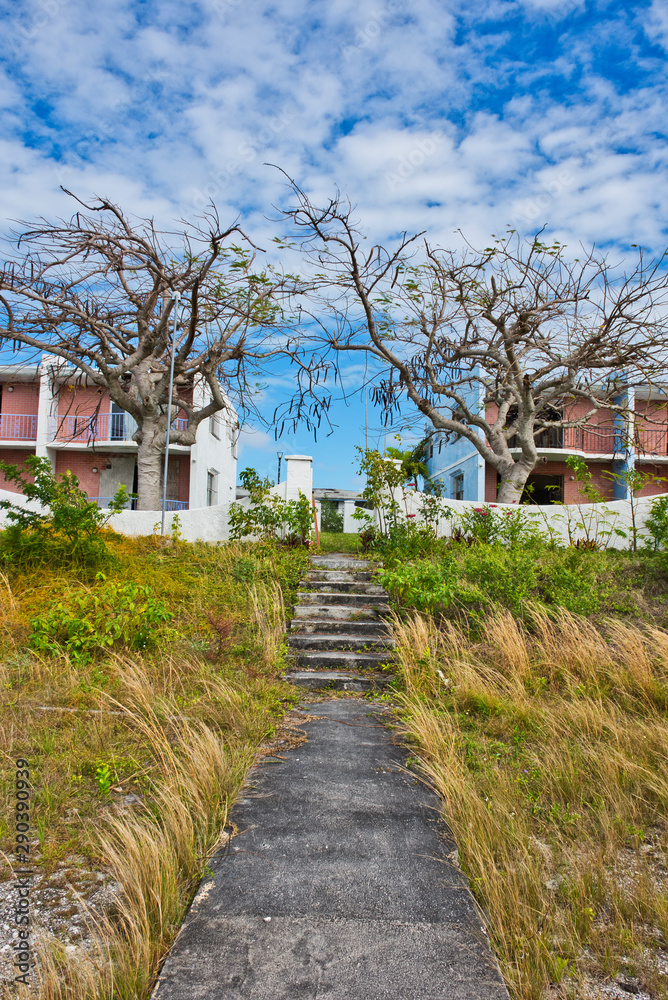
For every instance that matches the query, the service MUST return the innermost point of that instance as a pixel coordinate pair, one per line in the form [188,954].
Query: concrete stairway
[338,638]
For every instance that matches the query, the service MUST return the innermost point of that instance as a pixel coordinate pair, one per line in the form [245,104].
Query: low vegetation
[534,697]
[141,679]
[140,694]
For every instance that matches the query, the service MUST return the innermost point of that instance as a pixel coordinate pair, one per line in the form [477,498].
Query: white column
[298,476]
[350,526]
[44,411]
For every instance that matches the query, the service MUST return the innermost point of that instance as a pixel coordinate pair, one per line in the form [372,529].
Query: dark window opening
[458,486]
[542,489]
[549,437]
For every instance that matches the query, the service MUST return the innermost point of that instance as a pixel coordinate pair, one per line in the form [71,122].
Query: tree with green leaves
[412,461]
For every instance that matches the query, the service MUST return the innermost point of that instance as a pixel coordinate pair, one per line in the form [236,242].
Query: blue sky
[437,116]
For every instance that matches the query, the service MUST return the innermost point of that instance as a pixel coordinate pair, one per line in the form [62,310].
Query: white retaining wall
[206,524]
[565,523]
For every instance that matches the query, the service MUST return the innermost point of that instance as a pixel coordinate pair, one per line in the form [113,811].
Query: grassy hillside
[140,696]
[535,697]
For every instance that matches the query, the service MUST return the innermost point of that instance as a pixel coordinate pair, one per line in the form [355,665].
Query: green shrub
[490,524]
[427,586]
[574,579]
[66,531]
[657,524]
[330,518]
[505,576]
[409,540]
[268,516]
[90,621]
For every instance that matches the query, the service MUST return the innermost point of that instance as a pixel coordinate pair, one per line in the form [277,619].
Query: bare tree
[99,292]
[496,345]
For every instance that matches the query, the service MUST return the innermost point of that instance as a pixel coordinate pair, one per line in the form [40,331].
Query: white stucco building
[49,410]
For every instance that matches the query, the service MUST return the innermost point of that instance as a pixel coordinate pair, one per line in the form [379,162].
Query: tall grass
[178,728]
[156,856]
[268,616]
[549,748]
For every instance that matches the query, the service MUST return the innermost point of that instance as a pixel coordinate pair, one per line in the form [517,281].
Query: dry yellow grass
[549,749]
[155,855]
[268,617]
[176,728]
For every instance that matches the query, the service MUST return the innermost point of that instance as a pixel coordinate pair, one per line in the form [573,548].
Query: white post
[176,298]
[350,526]
[298,476]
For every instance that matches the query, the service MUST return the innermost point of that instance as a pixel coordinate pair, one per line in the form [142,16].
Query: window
[211,488]
[117,423]
[458,486]
[214,424]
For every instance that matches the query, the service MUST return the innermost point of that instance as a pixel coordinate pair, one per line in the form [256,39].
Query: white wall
[210,524]
[564,523]
[350,526]
[207,524]
[213,454]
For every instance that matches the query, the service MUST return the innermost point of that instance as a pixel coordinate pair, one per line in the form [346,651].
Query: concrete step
[333,680]
[338,576]
[310,626]
[340,612]
[334,561]
[340,659]
[339,587]
[337,598]
[342,640]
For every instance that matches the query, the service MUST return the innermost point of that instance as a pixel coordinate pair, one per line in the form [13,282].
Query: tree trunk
[149,467]
[514,476]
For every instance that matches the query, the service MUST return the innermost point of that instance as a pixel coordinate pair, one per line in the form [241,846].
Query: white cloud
[162,105]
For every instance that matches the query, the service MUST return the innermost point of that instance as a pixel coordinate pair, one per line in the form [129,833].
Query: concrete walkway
[340,885]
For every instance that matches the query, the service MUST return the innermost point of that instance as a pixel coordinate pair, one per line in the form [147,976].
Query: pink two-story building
[51,411]
[607,444]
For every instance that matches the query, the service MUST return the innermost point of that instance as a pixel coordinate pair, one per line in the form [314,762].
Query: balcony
[598,439]
[170,505]
[652,441]
[18,426]
[592,440]
[99,428]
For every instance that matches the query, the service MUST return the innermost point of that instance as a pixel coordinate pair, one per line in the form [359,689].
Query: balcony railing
[170,505]
[18,426]
[652,441]
[592,440]
[600,439]
[100,427]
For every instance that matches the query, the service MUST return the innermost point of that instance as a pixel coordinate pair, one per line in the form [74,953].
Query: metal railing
[170,505]
[18,426]
[100,427]
[593,440]
[651,441]
[600,439]
[104,502]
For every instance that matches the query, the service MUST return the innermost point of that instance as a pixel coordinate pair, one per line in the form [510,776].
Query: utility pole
[366,419]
